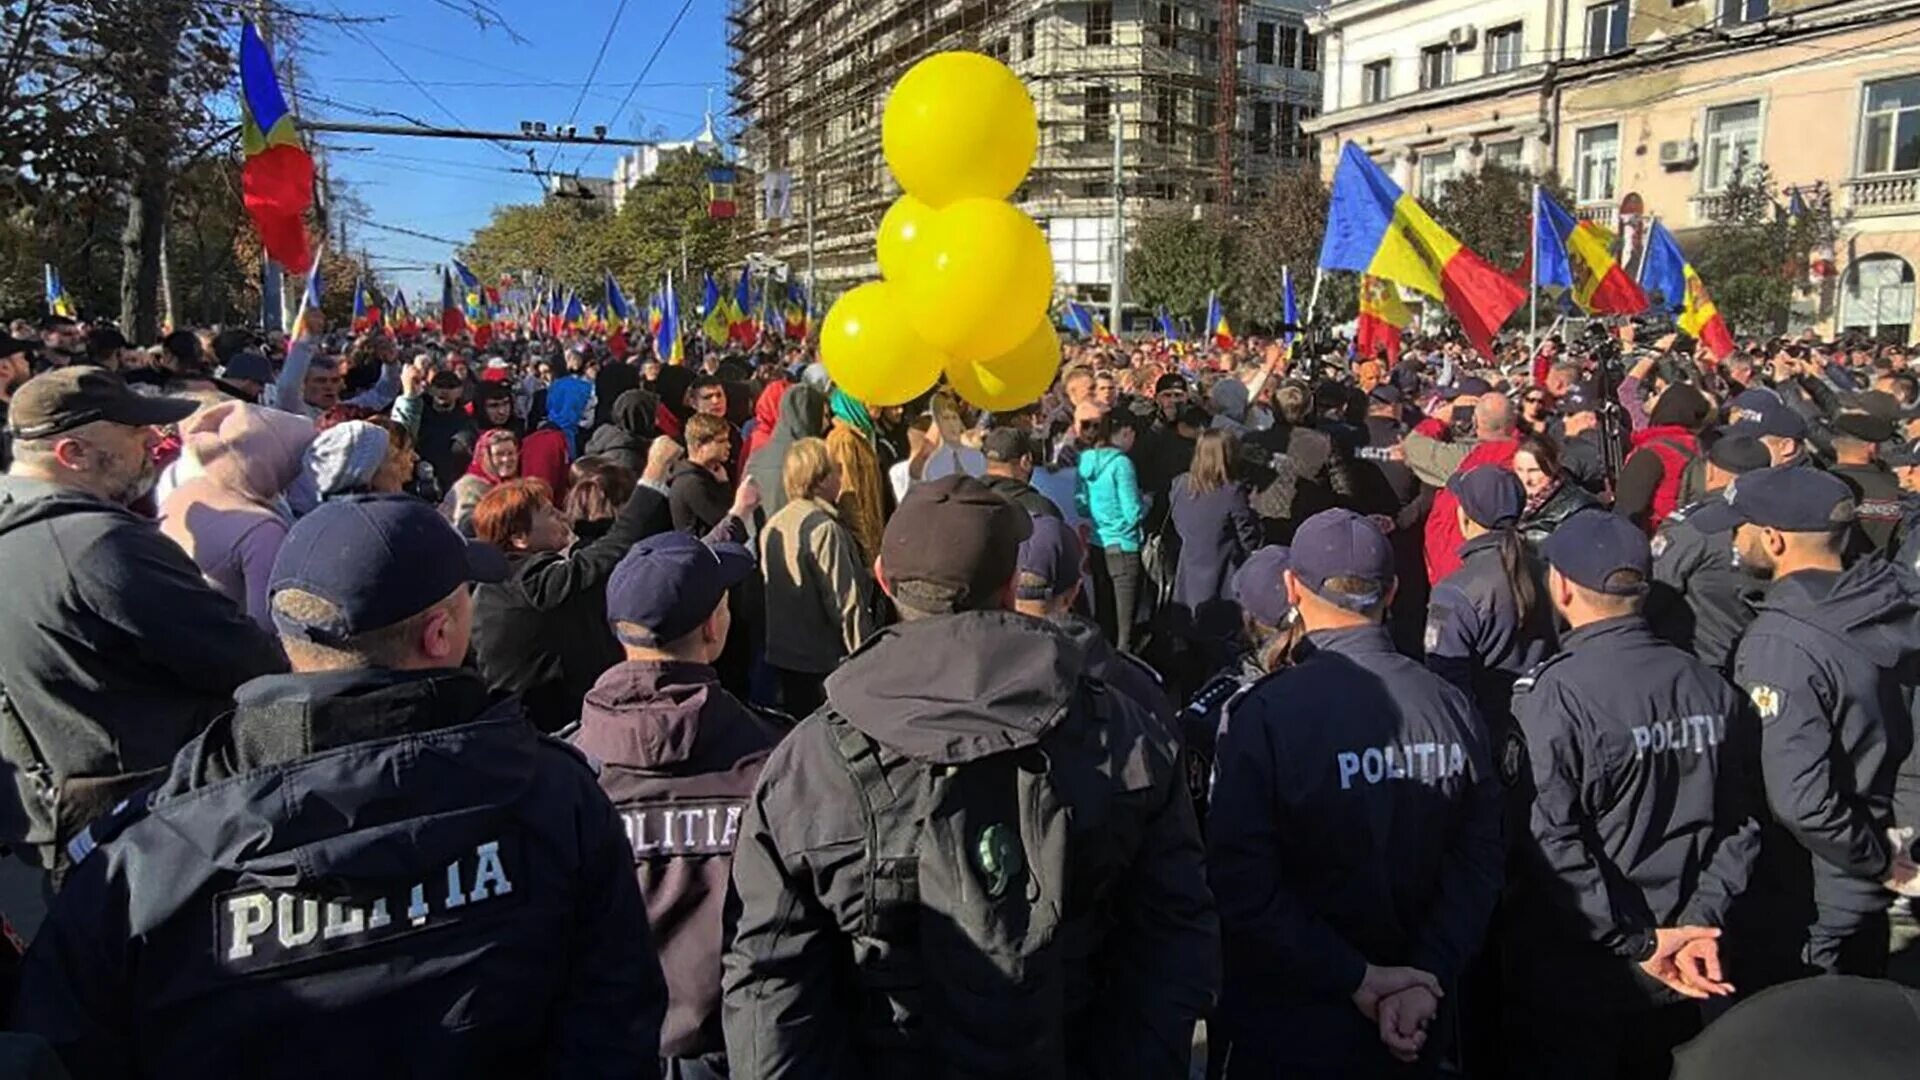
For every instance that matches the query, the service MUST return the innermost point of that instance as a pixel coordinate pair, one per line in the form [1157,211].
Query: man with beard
[442,430]
[1163,450]
[16,367]
[116,651]
[1828,665]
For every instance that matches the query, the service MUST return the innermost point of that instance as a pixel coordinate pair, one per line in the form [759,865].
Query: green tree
[1491,211]
[1282,229]
[1753,258]
[1176,261]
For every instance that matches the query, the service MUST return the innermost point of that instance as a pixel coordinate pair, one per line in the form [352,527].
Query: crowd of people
[548,709]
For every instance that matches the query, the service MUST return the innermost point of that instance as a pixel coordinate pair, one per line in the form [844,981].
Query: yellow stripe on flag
[1415,250]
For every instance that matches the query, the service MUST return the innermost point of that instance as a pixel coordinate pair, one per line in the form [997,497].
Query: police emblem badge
[1659,545]
[1513,757]
[1766,700]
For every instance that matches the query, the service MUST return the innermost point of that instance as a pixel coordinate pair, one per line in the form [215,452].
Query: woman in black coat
[1552,495]
[1218,530]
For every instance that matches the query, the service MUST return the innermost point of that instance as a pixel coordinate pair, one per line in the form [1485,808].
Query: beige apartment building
[1654,104]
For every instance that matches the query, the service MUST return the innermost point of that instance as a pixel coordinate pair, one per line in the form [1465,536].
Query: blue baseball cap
[377,559]
[1054,553]
[1760,412]
[1592,546]
[670,583]
[1342,544]
[1490,495]
[1260,585]
[1790,498]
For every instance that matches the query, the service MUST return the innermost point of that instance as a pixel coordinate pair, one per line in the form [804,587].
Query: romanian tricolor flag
[575,314]
[58,303]
[1382,316]
[618,312]
[1167,329]
[1669,274]
[1079,319]
[403,321]
[799,319]
[1375,228]
[1578,256]
[276,183]
[366,307]
[1289,308]
[666,338]
[716,324]
[740,325]
[556,311]
[312,299]
[1218,331]
[453,319]
[656,313]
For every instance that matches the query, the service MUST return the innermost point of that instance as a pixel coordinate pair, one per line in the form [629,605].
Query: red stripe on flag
[1481,297]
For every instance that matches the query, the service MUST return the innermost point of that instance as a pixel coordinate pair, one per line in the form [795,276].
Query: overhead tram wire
[647,68]
[605,40]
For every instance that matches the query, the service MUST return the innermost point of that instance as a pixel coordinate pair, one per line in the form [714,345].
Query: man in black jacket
[1700,600]
[114,651]
[1009,454]
[1354,836]
[369,868]
[679,757]
[1828,664]
[1641,830]
[973,860]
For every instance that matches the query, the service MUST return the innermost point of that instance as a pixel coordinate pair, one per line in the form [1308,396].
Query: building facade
[1653,105]
[1139,81]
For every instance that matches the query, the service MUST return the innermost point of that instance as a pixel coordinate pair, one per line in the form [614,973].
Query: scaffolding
[809,77]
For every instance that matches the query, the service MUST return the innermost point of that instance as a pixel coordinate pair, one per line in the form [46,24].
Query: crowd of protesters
[548,709]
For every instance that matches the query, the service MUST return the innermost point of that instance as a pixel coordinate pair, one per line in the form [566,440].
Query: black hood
[634,413]
[25,501]
[1873,607]
[956,688]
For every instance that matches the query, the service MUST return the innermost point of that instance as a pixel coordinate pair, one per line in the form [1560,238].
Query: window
[1606,28]
[1876,297]
[1503,49]
[1165,26]
[1205,117]
[1436,170]
[1263,43]
[1213,39]
[1289,46]
[1733,140]
[1099,112]
[1596,158]
[1436,66]
[1288,137]
[1376,81]
[1026,39]
[1509,154]
[1890,139]
[1263,127]
[997,49]
[1309,53]
[1744,12]
[1100,23]
[1166,110]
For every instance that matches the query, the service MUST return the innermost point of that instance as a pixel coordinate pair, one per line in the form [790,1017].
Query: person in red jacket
[1435,461]
[1650,479]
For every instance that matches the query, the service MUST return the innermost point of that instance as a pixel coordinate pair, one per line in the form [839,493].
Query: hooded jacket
[803,413]
[678,756]
[801,992]
[359,873]
[1109,497]
[1829,665]
[113,653]
[625,439]
[766,416]
[229,518]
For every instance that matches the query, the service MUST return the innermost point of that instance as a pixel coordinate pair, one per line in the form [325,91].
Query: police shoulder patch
[1525,683]
[1659,545]
[1513,756]
[107,826]
[1767,700]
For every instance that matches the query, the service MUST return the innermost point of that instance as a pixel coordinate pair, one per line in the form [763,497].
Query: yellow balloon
[902,227]
[979,276]
[959,125]
[871,351]
[1011,381]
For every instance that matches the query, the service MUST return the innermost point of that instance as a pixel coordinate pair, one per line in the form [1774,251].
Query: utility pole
[1115,298]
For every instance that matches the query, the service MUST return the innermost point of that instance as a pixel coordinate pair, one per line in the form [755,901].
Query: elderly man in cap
[1828,665]
[975,860]
[115,650]
[678,756]
[368,868]
[1699,599]
[1354,837]
[1640,831]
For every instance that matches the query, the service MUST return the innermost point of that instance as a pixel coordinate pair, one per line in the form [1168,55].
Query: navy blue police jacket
[1476,639]
[1356,820]
[1829,665]
[355,874]
[1700,601]
[1642,813]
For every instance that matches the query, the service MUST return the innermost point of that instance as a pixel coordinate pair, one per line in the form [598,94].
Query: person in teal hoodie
[1108,498]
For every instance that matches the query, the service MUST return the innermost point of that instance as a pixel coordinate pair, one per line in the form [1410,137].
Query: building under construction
[1187,105]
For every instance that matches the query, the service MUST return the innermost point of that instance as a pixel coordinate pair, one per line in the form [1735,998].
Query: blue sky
[484,79]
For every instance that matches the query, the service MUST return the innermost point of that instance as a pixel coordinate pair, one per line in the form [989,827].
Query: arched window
[1876,297]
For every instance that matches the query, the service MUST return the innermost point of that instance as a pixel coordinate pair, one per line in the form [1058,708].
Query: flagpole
[306,294]
[1533,278]
[1313,299]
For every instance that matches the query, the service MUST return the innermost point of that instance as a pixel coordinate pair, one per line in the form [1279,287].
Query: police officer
[1699,600]
[1904,460]
[1760,413]
[1876,491]
[679,757]
[1828,666]
[1487,623]
[1640,832]
[1355,843]
[368,868]
[1272,637]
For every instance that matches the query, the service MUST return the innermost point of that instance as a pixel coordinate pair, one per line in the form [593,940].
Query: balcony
[1600,213]
[1707,208]
[1889,193]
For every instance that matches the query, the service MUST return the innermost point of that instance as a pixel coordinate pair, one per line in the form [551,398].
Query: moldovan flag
[1079,319]
[666,339]
[740,325]
[403,321]
[366,307]
[1167,330]
[799,319]
[1668,273]
[452,320]
[1289,308]
[58,303]
[1375,228]
[716,324]
[1578,256]
[618,312]
[276,182]
[1382,316]
[1217,329]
